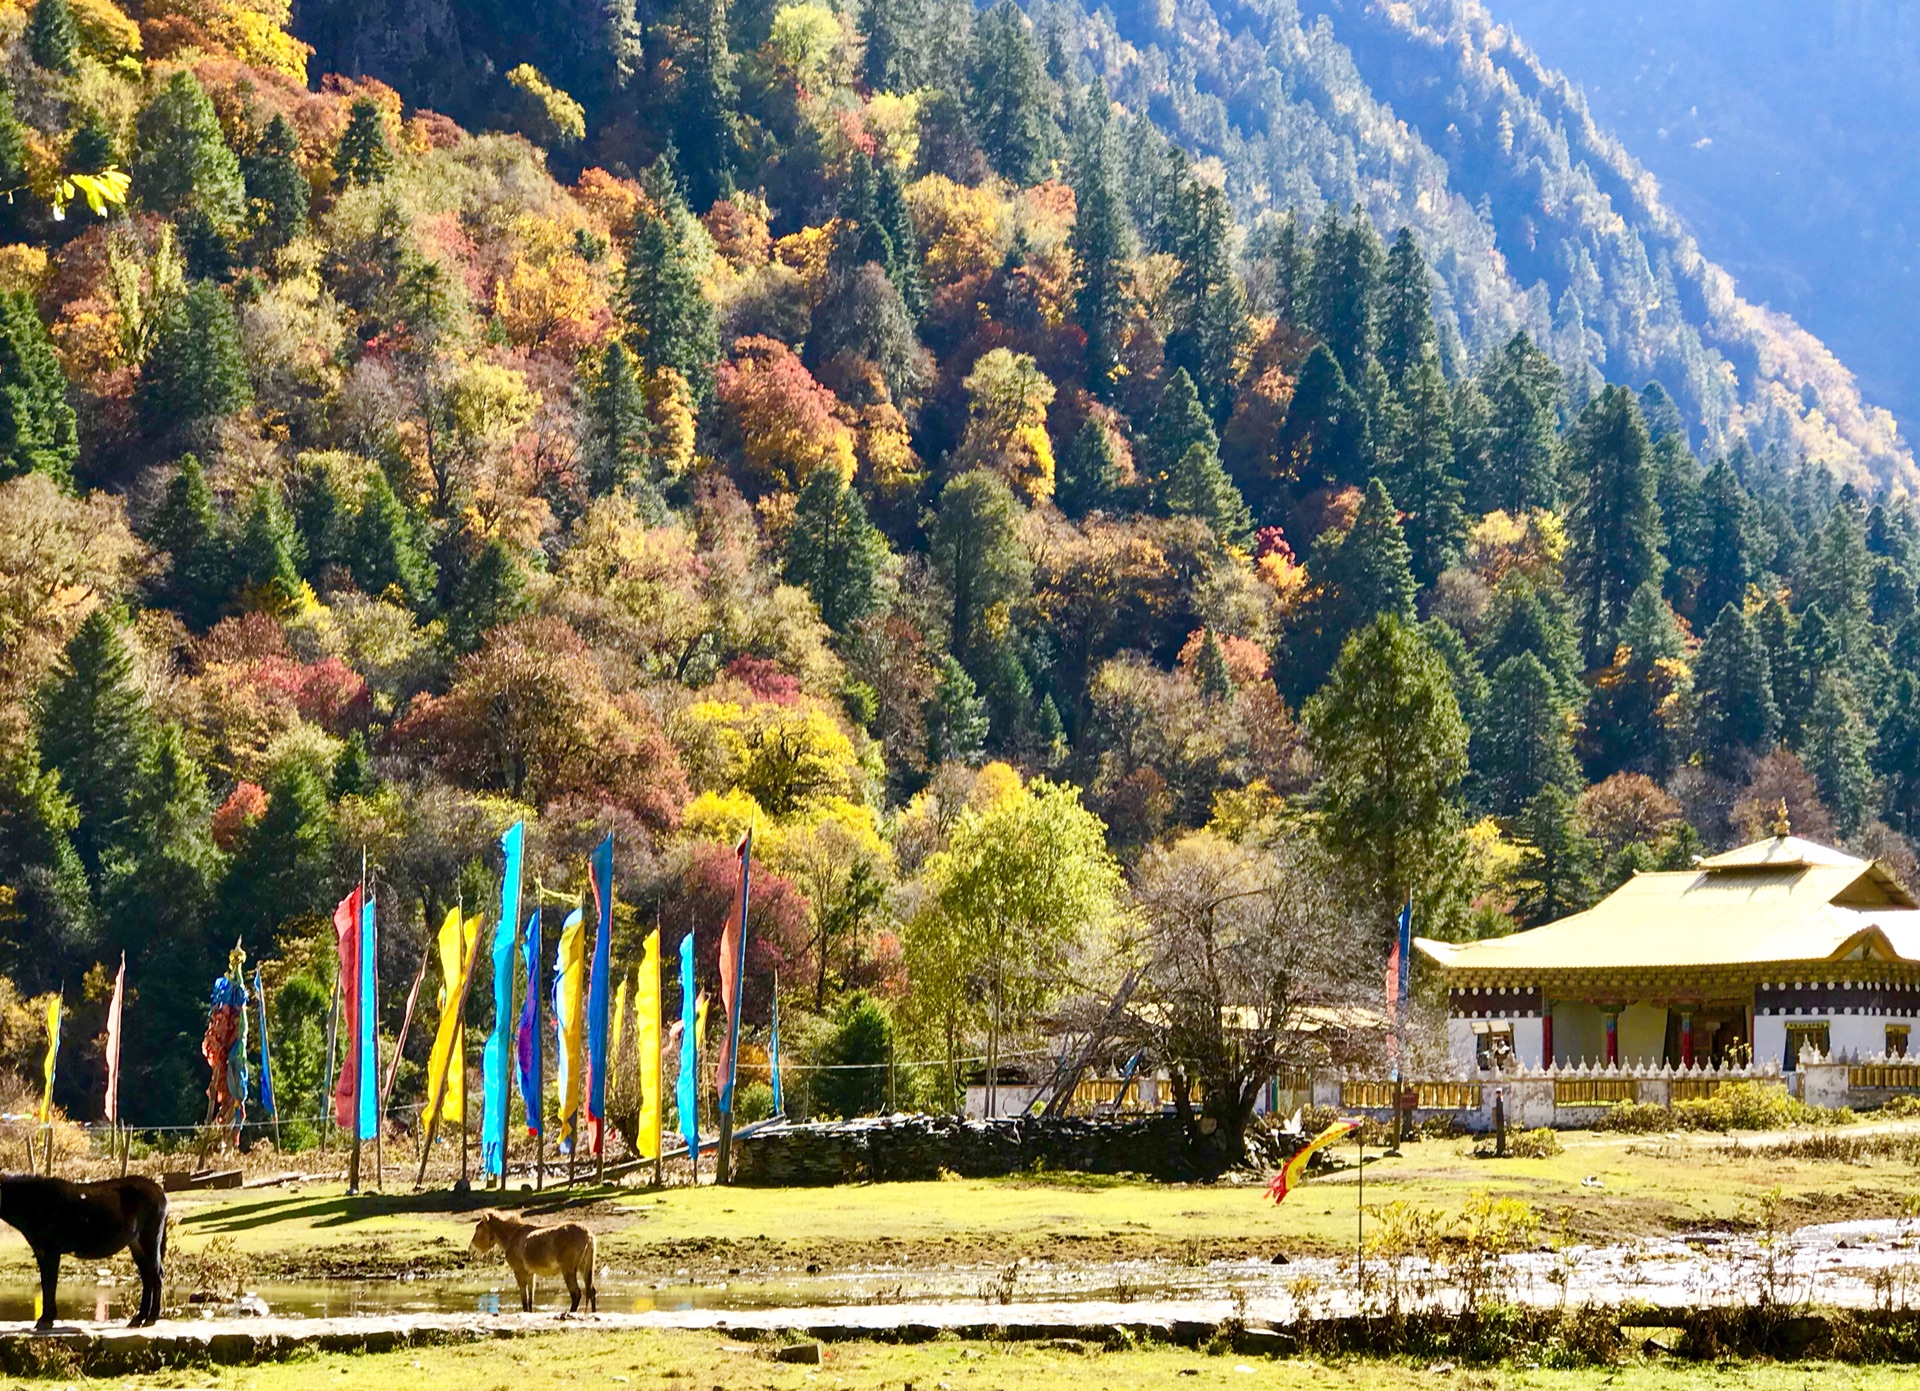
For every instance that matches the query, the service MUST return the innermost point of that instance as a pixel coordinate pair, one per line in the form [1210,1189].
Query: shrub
[1754,1106]
[753,1102]
[853,1080]
[1901,1106]
[1638,1118]
[1534,1144]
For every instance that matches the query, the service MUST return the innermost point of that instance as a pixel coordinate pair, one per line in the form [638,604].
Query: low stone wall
[892,1148]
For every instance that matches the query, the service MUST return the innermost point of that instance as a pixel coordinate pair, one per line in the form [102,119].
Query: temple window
[1799,1036]
[1897,1035]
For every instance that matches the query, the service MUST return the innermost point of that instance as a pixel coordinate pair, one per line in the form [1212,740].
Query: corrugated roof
[1779,900]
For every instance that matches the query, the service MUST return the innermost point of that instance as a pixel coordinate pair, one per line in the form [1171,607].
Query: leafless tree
[1253,969]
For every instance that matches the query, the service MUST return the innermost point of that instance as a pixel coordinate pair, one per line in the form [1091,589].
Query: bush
[1638,1118]
[1534,1144]
[1901,1106]
[853,1079]
[1754,1106]
[753,1102]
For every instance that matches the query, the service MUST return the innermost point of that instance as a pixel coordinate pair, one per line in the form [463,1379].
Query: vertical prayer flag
[116,1008]
[447,1064]
[529,1049]
[685,1091]
[266,1051]
[700,1023]
[1288,1178]
[614,1031]
[346,928]
[733,970]
[1399,968]
[773,1055]
[647,1018]
[599,993]
[53,1054]
[369,1049]
[495,1062]
[569,1007]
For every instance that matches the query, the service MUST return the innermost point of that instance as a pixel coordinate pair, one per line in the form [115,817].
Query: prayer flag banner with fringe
[53,1057]
[266,1051]
[647,1020]
[686,1090]
[368,1060]
[569,998]
[456,948]
[116,1008]
[530,1050]
[599,993]
[1288,1178]
[733,970]
[497,1061]
[346,928]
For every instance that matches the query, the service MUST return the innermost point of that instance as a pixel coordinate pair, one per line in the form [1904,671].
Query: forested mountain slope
[866,426]
[1782,130]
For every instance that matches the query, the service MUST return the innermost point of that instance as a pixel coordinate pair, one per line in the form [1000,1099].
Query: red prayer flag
[346,927]
[730,966]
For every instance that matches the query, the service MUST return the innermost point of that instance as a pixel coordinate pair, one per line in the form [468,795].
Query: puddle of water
[1845,1263]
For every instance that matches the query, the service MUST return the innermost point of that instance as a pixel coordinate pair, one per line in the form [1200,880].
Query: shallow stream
[1856,1264]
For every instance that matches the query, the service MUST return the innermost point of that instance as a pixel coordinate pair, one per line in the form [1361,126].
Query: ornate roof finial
[1782,825]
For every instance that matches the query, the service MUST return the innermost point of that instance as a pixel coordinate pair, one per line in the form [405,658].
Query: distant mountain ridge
[1433,115]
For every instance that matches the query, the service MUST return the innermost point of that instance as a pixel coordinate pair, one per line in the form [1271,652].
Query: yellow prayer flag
[647,1022]
[700,1024]
[456,949]
[569,1005]
[614,1031]
[53,1051]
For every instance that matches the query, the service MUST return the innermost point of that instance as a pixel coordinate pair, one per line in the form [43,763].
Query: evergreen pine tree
[1417,465]
[282,867]
[1469,682]
[1363,573]
[53,39]
[363,155]
[1101,244]
[1662,415]
[1780,638]
[93,148]
[975,550]
[196,372]
[1393,748]
[1407,337]
[1837,744]
[1088,478]
[956,716]
[671,321]
[1207,302]
[1558,860]
[1519,452]
[895,219]
[1896,755]
[1627,725]
[266,555]
[833,551]
[1010,103]
[160,880]
[1682,518]
[186,528]
[618,428]
[895,35]
[1726,549]
[13,157]
[1198,487]
[39,432]
[490,590]
[353,770]
[46,919]
[1346,279]
[1325,441]
[708,129]
[1735,718]
[1615,526]
[1523,742]
[1210,671]
[94,725]
[182,162]
[382,549]
[1520,619]
[1180,421]
[277,191]
[1838,577]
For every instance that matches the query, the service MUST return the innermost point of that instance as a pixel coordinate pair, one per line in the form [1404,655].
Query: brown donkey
[565,1250]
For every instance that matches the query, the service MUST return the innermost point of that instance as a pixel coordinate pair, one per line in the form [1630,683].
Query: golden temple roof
[1778,901]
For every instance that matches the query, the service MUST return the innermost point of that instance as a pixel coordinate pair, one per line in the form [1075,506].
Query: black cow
[91,1221]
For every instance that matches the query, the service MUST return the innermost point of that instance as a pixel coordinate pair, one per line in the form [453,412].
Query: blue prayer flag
[496,1058]
[684,1093]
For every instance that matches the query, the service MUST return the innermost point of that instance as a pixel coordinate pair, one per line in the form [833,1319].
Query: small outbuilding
[1749,959]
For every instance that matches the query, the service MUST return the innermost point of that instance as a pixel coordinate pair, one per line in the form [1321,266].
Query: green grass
[696,1362]
[1639,1185]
